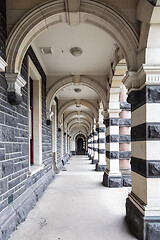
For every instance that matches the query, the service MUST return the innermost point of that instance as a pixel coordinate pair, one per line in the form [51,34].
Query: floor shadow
[127,227]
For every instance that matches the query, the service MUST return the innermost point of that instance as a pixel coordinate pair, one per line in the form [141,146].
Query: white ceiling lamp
[77,90]
[78,105]
[76,51]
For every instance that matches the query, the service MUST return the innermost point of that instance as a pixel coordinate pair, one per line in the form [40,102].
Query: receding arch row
[74,102]
[78,133]
[76,121]
[46,15]
[68,80]
[80,124]
[72,114]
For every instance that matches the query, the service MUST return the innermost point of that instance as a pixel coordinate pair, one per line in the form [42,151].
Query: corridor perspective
[79,119]
[83,209]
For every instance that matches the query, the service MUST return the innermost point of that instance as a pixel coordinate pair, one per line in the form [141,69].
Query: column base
[100,167]
[94,161]
[126,178]
[59,167]
[112,181]
[144,228]
[66,159]
[73,153]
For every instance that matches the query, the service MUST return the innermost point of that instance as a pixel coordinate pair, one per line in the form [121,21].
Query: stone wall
[59,161]
[19,191]
[2,28]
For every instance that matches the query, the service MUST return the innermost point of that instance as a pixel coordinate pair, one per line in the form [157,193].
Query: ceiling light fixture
[76,51]
[77,90]
[78,105]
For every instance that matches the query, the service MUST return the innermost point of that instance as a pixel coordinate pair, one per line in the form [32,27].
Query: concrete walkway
[76,206]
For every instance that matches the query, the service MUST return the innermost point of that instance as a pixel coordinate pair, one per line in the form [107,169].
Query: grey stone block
[154,169]
[2,155]
[125,106]
[112,182]
[3,185]
[124,138]
[8,134]
[100,168]
[11,121]
[145,228]
[127,182]
[14,98]
[7,222]
[17,212]
[8,147]
[13,183]
[7,168]
[153,231]
[94,161]
[125,155]
[17,167]
[2,118]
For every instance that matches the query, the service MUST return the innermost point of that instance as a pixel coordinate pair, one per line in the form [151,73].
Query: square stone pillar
[101,164]
[92,145]
[89,146]
[112,176]
[101,129]
[95,147]
[143,203]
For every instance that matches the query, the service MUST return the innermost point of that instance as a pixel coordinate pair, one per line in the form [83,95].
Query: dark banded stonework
[112,176]
[95,147]
[101,163]
[143,203]
[124,137]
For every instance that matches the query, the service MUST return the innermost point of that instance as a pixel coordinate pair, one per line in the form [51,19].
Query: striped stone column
[143,203]
[112,176]
[95,146]
[92,146]
[124,137]
[101,164]
[89,150]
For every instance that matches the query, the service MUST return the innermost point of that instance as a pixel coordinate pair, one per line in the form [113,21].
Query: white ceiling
[68,93]
[97,46]
[73,108]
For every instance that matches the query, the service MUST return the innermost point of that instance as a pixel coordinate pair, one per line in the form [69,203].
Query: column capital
[49,115]
[145,75]
[15,82]
[111,113]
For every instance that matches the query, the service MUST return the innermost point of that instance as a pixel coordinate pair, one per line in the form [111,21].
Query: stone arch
[78,133]
[68,80]
[119,73]
[81,124]
[75,113]
[75,120]
[47,14]
[74,102]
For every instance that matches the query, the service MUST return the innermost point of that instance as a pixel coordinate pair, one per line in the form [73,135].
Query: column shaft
[143,203]
[112,176]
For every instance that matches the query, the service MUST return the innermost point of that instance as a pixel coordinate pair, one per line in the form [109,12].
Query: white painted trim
[3,64]
[147,150]
[37,114]
[34,169]
[68,80]
[50,13]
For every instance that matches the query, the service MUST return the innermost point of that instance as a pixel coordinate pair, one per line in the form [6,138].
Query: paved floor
[77,207]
